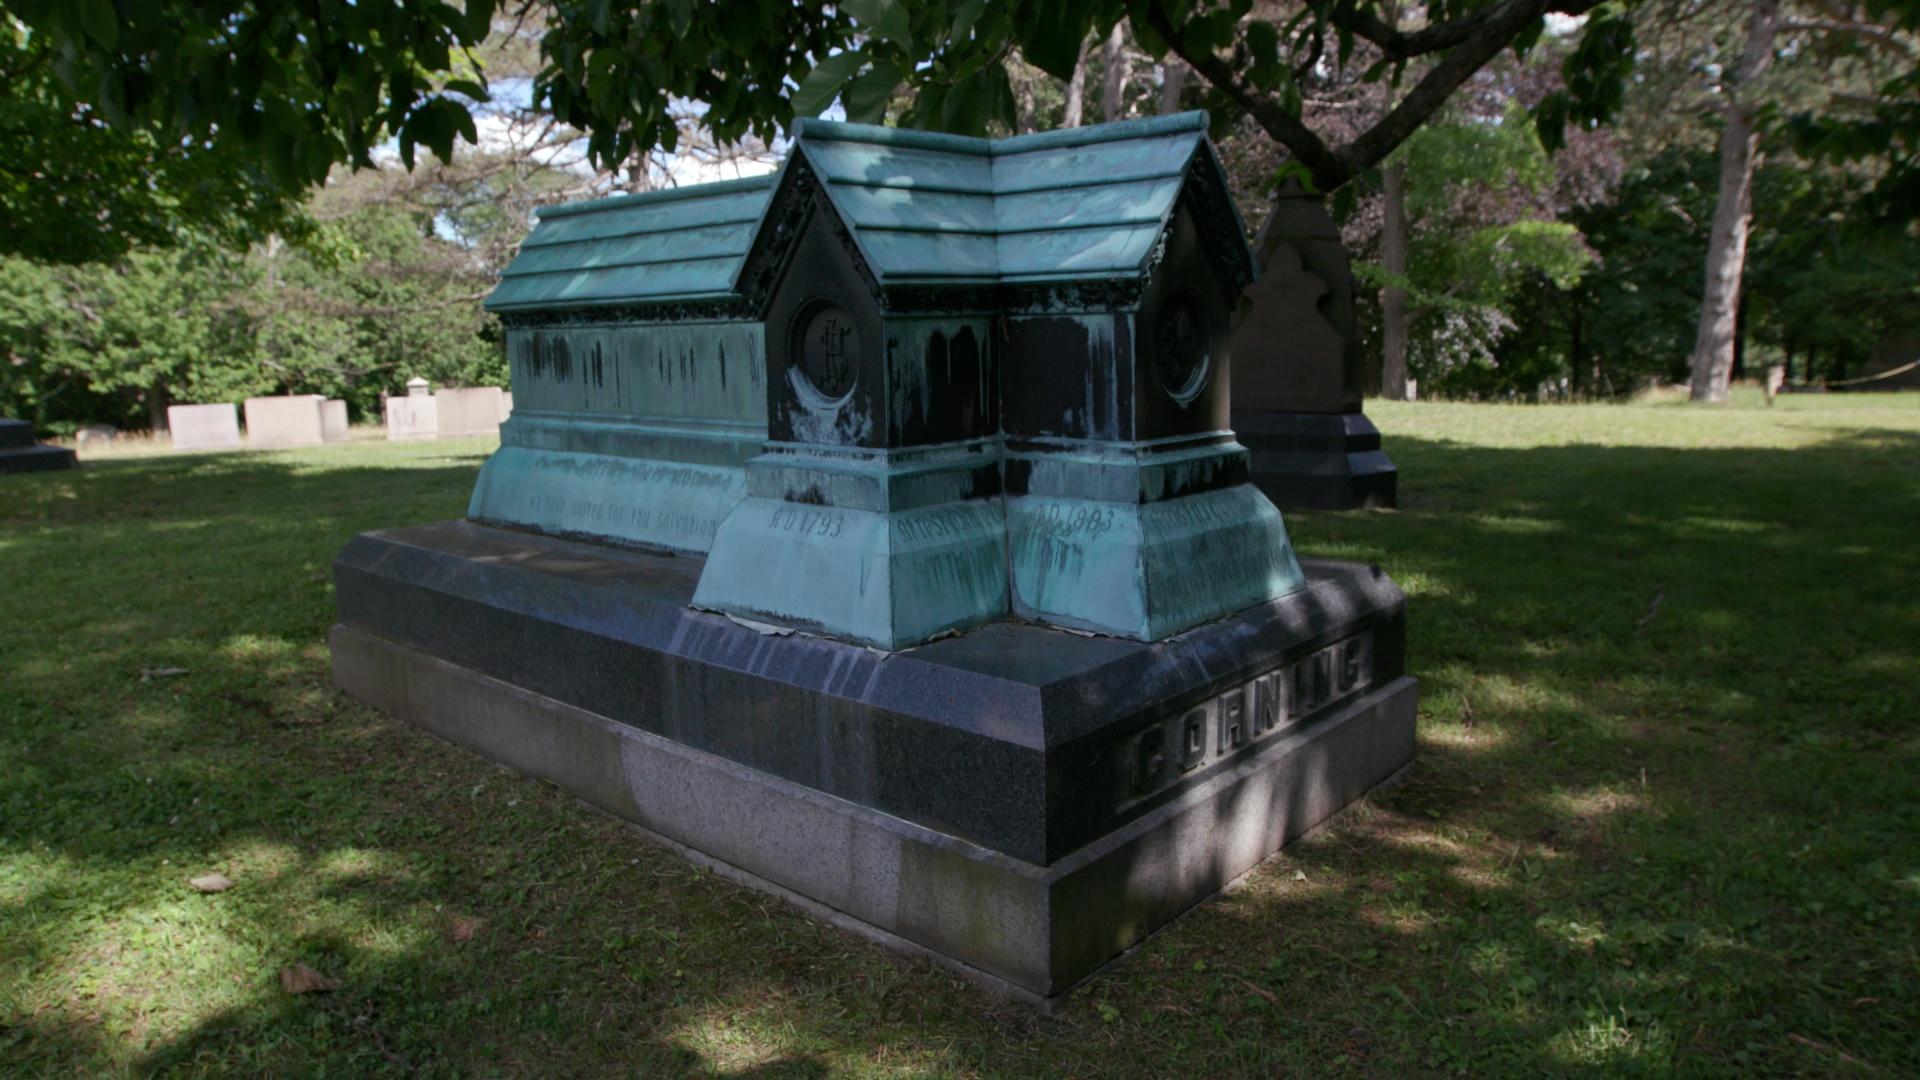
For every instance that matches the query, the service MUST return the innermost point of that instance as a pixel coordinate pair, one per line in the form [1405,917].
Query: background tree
[1748,65]
[615,73]
[236,105]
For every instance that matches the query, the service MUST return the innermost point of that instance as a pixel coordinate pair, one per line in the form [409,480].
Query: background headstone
[280,422]
[20,453]
[475,410]
[92,434]
[1287,355]
[414,416]
[204,427]
[333,421]
[1299,368]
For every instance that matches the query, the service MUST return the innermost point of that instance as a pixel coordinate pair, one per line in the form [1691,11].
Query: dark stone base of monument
[1318,461]
[1018,802]
[19,453]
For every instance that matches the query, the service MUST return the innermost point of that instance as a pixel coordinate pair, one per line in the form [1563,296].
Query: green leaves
[866,97]
[1050,33]
[435,125]
[1595,74]
[101,23]
[823,83]
[299,88]
[885,18]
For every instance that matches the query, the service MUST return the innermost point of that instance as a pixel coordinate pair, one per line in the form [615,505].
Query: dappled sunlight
[1600,802]
[1696,523]
[1474,738]
[1633,831]
[729,1044]
[1517,526]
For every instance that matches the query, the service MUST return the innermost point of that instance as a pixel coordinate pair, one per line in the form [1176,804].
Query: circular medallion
[1181,348]
[828,349]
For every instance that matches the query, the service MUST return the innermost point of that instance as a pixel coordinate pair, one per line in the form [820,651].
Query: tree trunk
[1580,382]
[1740,336]
[1727,245]
[1026,106]
[1113,59]
[1393,300]
[1173,81]
[159,396]
[1076,91]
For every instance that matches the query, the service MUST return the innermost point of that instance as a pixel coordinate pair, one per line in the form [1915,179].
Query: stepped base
[1318,461]
[36,459]
[1020,803]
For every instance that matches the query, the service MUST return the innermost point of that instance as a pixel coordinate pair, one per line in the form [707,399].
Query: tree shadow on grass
[1663,817]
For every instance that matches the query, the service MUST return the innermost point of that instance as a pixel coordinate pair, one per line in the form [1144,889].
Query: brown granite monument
[1299,366]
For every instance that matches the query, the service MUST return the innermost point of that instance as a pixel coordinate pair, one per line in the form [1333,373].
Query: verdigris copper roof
[1074,204]
[1077,204]
[679,244]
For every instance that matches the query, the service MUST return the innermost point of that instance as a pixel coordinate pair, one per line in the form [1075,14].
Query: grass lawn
[1665,817]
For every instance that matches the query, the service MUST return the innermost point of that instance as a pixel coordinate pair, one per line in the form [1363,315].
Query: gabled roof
[1076,204]
[678,244]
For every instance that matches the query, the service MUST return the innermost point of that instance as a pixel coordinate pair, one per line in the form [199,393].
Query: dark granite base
[1318,461]
[1019,801]
[36,459]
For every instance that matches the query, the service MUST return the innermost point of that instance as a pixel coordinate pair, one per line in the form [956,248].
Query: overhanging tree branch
[1502,24]
[1308,149]
[1399,44]
[1470,42]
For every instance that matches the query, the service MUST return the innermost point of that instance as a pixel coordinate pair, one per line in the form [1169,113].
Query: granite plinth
[1317,461]
[1021,802]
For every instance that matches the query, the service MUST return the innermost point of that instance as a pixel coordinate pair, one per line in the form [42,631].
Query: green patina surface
[705,371]
[1085,204]
[637,432]
[886,579]
[1151,570]
[642,432]
[665,245]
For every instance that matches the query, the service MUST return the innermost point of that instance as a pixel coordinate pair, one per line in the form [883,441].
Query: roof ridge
[664,195]
[812,127]
[1112,131]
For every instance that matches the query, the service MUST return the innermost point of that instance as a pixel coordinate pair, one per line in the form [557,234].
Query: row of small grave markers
[274,423]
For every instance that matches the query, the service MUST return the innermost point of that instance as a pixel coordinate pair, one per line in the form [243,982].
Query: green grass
[1685,843]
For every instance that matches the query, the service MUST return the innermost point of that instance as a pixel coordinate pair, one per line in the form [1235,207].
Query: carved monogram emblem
[829,350]
[1181,348]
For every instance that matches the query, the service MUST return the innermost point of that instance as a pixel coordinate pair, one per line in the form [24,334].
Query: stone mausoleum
[874,531]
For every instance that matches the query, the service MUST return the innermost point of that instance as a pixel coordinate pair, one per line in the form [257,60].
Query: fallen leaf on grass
[464,928]
[211,883]
[148,674]
[301,979]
